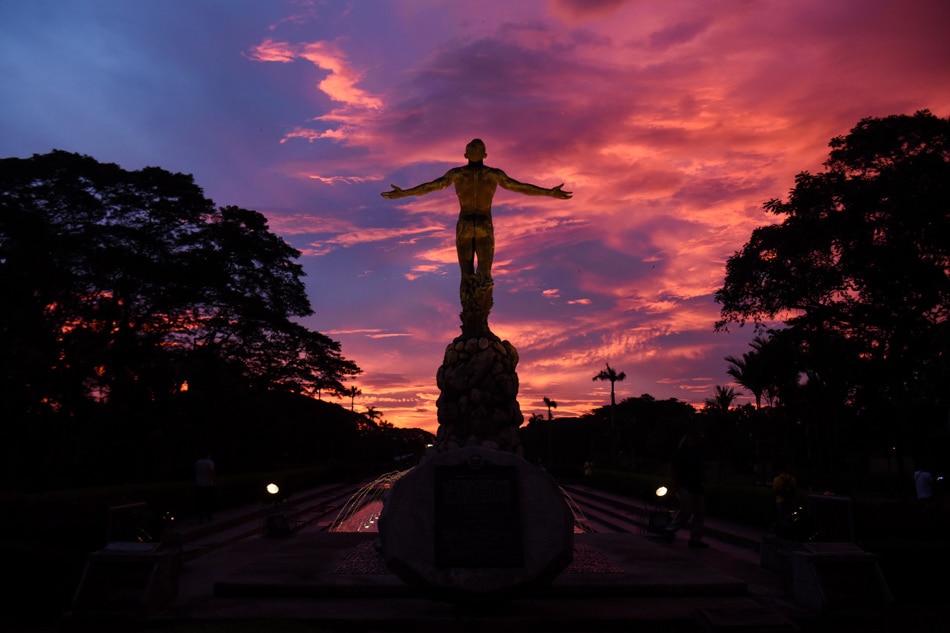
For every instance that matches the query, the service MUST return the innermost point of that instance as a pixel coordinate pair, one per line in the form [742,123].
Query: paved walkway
[232,570]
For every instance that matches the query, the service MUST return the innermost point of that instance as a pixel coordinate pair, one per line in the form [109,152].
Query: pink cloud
[340,85]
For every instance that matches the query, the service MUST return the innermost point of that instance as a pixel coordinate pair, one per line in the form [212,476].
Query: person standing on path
[689,482]
[204,487]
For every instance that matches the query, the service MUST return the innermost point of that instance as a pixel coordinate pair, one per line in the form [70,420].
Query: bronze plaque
[477,516]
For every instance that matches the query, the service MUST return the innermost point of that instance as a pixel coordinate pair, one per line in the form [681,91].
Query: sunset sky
[672,122]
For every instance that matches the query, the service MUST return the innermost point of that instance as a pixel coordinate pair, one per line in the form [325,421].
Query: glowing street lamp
[659,518]
[277,523]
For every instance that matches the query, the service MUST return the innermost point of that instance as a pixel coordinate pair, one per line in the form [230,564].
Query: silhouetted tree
[352,392]
[117,278]
[648,427]
[120,286]
[859,265]
[610,374]
[722,399]
[718,407]
[749,370]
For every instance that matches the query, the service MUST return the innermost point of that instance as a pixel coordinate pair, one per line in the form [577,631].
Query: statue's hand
[557,193]
[395,193]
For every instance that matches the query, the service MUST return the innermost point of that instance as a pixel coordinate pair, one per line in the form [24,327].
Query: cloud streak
[339,84]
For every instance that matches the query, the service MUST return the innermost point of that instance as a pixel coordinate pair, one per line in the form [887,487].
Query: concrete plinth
[127,580]
[476,522]
[838,577]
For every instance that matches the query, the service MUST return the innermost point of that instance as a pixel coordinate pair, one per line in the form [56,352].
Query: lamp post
[276,523]
[658,517]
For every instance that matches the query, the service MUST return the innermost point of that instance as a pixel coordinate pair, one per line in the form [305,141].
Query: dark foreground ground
[235,578]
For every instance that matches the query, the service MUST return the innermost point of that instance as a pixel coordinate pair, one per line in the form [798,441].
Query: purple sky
[671,121]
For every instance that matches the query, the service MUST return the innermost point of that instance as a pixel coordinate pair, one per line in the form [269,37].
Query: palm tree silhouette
[719,404]
[613,377]
[352,392]
[550,404]
[722,400]
[751,370]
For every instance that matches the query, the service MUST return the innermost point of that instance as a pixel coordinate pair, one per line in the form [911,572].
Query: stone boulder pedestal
[478,403]
[476,522]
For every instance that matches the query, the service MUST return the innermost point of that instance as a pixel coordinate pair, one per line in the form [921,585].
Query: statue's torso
[475,187]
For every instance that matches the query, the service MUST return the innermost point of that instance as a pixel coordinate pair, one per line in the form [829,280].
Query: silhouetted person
[204,487]
[689,482]
[924,484]
[475,185]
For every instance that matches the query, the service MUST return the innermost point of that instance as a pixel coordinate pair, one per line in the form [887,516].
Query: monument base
[478,403]
[476,522]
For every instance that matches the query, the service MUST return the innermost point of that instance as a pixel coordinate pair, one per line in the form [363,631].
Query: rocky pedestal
[476,522]
[478,403]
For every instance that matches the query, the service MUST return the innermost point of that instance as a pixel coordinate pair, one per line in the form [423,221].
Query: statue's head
[475,150]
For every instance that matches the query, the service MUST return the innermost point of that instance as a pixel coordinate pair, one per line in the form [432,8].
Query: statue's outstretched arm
[419,190]
[532,190]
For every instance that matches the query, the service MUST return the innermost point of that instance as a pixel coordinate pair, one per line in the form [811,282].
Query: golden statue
[475,185]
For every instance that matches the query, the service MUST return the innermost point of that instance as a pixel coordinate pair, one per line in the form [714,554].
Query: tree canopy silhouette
[859,268]
[121,286]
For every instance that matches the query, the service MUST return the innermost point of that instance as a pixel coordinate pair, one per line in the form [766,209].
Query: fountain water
[580,521]
[362,510]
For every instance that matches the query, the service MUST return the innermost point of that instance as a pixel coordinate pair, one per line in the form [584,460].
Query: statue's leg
[485,251]
[465,245]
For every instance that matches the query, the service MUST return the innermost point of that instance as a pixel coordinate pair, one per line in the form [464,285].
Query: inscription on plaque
[477,517]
